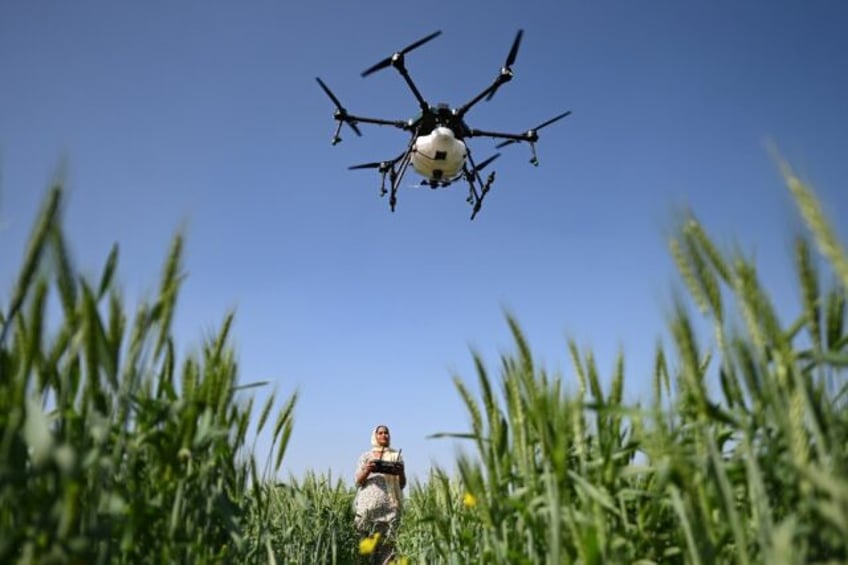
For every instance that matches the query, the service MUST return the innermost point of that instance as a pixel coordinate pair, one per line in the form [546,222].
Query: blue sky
[205,116]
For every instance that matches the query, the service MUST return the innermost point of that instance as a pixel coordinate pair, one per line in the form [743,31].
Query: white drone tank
[438,156]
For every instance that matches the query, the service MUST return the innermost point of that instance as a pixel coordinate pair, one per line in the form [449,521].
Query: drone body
[438,156]
[437,148]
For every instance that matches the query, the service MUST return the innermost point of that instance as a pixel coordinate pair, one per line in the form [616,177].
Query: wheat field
[113,450]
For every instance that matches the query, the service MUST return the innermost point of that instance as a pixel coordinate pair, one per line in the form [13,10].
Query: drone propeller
[382,165]
[513,52]
[480,166]
[388,60]
[385,168]
[506,71]
[340,114]
[531,135]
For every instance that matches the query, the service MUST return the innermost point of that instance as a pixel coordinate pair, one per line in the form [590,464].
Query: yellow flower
[399,561]
[468,500]
[367,545]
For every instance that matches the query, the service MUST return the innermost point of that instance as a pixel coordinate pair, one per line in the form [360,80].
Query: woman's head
[381,437]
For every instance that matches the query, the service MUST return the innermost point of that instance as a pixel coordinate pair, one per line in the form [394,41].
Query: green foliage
[110,452]
[755,474]
[309,521]
[113,451]
[438,526]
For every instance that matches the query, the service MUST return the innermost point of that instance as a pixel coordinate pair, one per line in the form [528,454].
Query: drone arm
[503,77]
[499,80]
[343,117]
[397,174]
[531,137]
[400,124]
[399,65]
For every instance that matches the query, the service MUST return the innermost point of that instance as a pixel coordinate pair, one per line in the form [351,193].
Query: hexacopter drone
[437,150]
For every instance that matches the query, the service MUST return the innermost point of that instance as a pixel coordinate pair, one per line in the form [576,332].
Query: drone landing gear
[336,139]
[476,198]
[383,173]
[404,163]
[533,159]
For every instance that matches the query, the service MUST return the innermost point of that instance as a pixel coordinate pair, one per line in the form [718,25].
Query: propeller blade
[552,120]
[388,60]
[420,42]
[339,107]
[329,92]
[381,65]
[534,130]
[513,53]
[481,166]
[510,59]
[375,165]
[354,127]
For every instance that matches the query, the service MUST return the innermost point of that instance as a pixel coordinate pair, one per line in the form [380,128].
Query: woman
[378,502]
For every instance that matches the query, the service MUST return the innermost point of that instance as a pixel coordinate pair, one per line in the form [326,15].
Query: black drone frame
[432,117]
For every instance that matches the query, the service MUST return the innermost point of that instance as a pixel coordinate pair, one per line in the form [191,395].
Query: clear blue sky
[206,115]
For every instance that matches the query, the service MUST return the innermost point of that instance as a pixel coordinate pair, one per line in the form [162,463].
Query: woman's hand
[365,472]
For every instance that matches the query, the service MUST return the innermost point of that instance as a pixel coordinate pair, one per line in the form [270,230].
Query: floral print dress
[375,505]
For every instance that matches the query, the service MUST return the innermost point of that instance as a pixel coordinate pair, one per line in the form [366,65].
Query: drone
[437,148]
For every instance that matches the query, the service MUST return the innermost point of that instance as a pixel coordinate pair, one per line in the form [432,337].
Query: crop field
[114,450]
